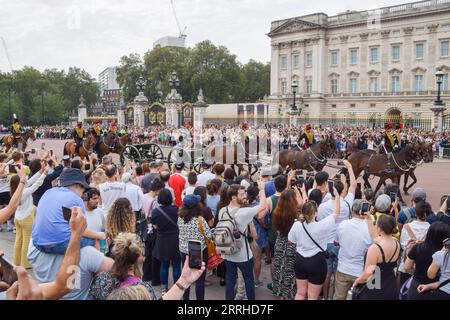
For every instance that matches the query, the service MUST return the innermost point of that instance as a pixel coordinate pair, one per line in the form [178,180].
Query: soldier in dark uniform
[398,137]
[388,139]
[307,136]
[16,131]
[96,131]
[78,134]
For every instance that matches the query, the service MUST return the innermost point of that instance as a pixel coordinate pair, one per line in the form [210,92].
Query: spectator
[155,169]
[192,181]
[133,193]
[229,176]
[354,237]
[321,183]
[412,233]
[111,190]
[381,258]
[408,215]
[439,268]
[120,218]
[284,216]
[139,174]
[28,289]
[420,257]
[149,201]
[98,177]
[177,182]
[269,186]
[206,211]
[205,176]
[260,242]
[13,203]
[213,197]
[310,238]
[127,252]
[51,232]
[165,176]
[94,215]
[166,249]
[316,196]
[24,215]
[326,208]
[218,170]
[243,258]
[444,212]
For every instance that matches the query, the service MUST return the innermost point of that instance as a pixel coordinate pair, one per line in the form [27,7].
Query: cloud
[94,34]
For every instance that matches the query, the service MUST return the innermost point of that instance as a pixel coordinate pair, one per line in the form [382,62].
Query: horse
[426,151]
[313,158]
[109,145]
[86,147]
[403,161]
[8,140]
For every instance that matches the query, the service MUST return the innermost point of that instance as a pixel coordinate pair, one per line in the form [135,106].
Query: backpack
[226,235]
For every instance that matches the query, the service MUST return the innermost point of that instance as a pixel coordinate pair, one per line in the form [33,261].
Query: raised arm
[6,212]
[337,204]
[353,184]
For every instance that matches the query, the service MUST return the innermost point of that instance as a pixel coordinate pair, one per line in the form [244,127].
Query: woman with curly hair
[121,218]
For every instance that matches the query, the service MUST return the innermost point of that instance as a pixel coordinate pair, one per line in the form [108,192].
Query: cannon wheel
[152,152]
[130,152]
[178,153]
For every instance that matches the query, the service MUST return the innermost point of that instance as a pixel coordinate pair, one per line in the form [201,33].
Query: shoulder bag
[214,259]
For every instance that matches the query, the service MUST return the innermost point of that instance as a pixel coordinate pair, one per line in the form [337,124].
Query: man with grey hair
[354,237]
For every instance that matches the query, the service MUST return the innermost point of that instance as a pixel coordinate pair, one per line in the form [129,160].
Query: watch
[180,286]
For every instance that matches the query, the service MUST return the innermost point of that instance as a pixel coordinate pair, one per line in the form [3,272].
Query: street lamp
[294,111]
[439,77]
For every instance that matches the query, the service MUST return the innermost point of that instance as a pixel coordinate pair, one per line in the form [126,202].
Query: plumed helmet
[308,126]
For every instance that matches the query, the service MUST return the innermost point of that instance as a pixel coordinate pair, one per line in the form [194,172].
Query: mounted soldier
[113,130]
[16,131]
[398,143]
[97,132]
[78,134]
[388,145]
[307,136]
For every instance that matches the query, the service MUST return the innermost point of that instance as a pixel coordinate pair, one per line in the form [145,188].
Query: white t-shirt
[326,209]
[354,240]
[204,177]
[95,220]
[189,190]
[110,192]
[134,194]
[439,258]
[420,229]
[319,231]
[243,217]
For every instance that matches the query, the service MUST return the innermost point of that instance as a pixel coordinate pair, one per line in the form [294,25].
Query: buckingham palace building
[362,65]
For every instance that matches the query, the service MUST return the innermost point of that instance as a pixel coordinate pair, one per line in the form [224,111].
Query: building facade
[107,79]
[361,65]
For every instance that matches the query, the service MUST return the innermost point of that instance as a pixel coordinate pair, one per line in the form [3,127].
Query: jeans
[164,272]
[332,261]
[60,248]
[231,277]
[200,283]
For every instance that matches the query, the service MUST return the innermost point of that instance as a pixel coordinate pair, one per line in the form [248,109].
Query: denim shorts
[332,261]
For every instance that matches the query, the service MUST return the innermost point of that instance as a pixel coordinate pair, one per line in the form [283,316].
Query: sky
[94,34]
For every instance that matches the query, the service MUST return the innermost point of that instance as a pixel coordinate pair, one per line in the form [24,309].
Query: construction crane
[181,33]
[7,54]
[10,79]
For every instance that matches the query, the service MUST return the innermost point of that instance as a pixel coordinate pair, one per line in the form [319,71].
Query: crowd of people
[123,229]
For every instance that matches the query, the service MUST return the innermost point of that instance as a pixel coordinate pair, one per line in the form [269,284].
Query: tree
[25,85]
[128,72]
[256,81]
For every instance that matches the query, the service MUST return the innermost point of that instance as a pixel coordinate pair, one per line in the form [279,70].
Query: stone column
[274,70]
[432,52]
[266,113]
[255,114]
[138,116]
[121,117]
[384,61]
[408,57]
[362,61]
[245,112]
[82,110]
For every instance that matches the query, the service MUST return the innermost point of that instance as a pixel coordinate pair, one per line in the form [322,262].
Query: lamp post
[438,105]
[294,111]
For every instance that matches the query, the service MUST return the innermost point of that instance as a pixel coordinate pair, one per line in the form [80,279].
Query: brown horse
[86,147]
[426,152]
[313,158]
[109,144]
[8,140]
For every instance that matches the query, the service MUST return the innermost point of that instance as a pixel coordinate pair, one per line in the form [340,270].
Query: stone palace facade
[361,64]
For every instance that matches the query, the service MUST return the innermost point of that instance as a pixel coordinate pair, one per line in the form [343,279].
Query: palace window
[353,56]
[395,83]
[283,86]
[296,61]
[444,48]
[373,84]
[418,80]
[308,86]
[334,58]
[309,59]
[283,62]
[334,86]
[419,50]
[353,86]
[373,55]
[445,82]
[395,53]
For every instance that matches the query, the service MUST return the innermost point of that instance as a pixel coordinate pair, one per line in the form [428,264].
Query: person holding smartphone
[354,237]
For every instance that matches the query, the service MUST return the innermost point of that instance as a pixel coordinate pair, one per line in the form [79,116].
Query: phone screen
[7,273]
[43,146]
[67,213]
[298,172]
[12,168]
[195,254]
[365,206]
[330,186]
[33,150]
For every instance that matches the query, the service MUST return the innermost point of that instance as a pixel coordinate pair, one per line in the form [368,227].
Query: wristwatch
[180,286]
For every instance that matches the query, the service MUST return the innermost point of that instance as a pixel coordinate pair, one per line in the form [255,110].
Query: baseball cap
[266,172]
[419,194]
[191,200]
[72,176]
[383,203]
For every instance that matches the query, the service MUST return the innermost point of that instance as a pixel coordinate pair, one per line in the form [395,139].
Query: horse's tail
[65,153]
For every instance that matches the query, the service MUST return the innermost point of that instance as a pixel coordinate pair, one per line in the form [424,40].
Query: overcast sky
[94,34]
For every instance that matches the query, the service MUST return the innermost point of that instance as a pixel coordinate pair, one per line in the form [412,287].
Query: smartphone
[340,162]
[67,213]
[43,146]
[51,153]
[12,168]
[309,174]
[330,186]
[298,172]
[365,207]
[20,146]
[7,273]
[393,196]
[195,254]
[300,181]
[33,150]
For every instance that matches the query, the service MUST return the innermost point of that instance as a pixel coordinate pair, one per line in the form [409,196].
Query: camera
[340,162]
[365,207]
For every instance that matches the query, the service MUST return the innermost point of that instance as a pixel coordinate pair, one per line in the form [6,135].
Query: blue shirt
[49,225]
[211,202]
[402,217]
[269,188]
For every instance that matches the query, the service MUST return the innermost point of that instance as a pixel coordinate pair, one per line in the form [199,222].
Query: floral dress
[284,284]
